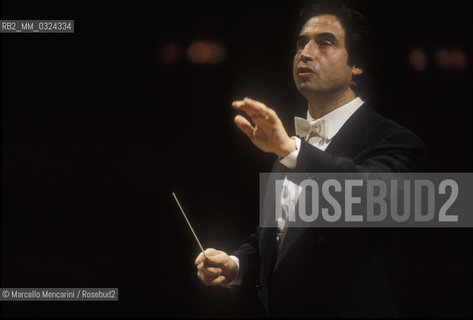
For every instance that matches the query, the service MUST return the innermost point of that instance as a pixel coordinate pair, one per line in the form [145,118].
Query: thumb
[220,260]
[210,260]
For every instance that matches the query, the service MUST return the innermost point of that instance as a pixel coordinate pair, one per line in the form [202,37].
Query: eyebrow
[323,35]
[326,35]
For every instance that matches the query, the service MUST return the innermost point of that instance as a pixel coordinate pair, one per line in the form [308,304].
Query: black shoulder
[387,129]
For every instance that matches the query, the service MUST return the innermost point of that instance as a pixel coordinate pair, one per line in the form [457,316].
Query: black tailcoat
[335,272]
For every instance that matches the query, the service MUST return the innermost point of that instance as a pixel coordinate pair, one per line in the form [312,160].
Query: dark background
[97,132]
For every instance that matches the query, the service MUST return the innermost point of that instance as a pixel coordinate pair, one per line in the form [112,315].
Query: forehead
[322,24]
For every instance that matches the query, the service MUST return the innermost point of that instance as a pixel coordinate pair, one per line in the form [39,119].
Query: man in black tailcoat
[322,272]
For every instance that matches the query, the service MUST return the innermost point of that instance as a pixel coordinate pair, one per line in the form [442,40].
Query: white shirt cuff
[238,278]
[290,160]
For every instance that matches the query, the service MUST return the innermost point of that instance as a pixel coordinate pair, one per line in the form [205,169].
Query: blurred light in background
[170,53]
[458,59]
[418,60]
[206,52]
[446,59]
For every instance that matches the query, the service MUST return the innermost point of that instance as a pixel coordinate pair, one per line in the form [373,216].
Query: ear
[356,71]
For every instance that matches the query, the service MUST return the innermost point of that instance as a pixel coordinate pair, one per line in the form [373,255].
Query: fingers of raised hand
[256,110]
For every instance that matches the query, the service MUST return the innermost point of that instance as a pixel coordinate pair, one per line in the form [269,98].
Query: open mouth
[305,72]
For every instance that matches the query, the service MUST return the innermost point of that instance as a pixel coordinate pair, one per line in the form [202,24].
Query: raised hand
[268,133]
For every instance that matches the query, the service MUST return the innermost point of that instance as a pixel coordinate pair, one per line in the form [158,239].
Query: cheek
[294,67]
[340,67]
[295,62]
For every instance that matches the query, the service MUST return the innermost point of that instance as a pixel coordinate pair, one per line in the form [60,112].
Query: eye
[325,43]
[301,42]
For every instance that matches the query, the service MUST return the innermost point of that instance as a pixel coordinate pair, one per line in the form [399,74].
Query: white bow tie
[306,129]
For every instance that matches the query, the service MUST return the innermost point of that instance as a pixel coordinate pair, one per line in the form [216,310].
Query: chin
[307,87]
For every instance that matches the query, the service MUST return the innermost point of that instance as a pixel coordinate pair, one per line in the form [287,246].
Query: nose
[308,52]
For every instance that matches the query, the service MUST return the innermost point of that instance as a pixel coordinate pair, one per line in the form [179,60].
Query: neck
[321,104]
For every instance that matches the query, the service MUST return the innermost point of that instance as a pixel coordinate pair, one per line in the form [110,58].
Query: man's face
[321,59]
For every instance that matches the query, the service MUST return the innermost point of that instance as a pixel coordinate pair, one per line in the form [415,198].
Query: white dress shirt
[333,121]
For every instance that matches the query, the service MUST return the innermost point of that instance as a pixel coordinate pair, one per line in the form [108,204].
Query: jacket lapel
[267,242]
[349,139]
[292,235]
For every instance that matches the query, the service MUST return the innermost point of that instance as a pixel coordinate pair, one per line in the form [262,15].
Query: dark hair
[359,39]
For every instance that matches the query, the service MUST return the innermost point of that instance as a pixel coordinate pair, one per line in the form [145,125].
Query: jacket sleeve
[246,295]
[249,259]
